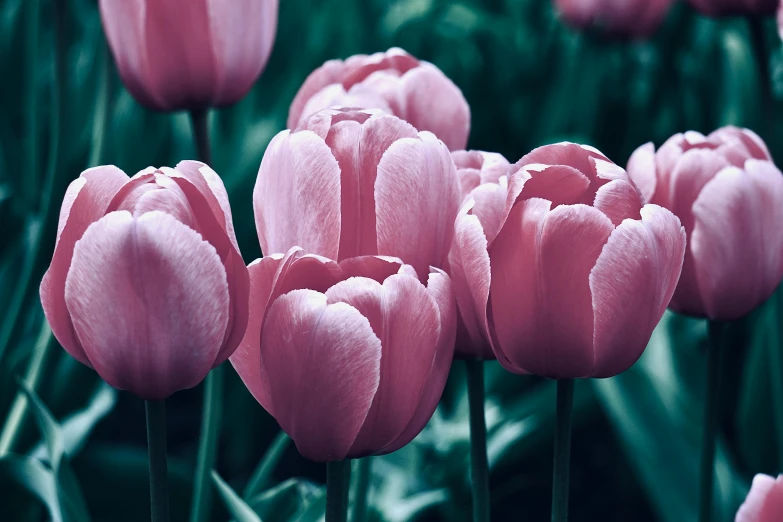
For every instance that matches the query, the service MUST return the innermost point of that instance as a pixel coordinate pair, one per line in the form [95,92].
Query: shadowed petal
[619,200]
[641,169]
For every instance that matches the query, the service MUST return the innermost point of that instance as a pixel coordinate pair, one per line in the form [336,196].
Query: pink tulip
[189,54]
[764,502]
[351,358]
[735,7]
[639,18]
[352,182]
[581,271]
[147,285]
[729,197]
[394,81]
[484,180]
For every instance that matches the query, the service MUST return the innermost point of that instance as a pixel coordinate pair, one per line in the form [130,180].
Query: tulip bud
[729,196]
[350,183]
[735,7]
[581,270]
[189,54]
[634,18]
[351,358]
[764,502]
[395,82]
[147,285]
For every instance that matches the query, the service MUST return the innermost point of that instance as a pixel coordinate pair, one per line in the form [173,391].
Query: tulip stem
[711,403]
[207,448]
[338,480]
[156,442]
[361,489]
[200,121]
[479,468]
[562,463]
[761,50]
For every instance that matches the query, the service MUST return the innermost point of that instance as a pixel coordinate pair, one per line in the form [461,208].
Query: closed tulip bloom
[635,18]
[729,196]
[350,183]
[581,270]
[484,180]
[189,54]
[147,285]
[351,358]
[764,502]
[735,7]
[394,81]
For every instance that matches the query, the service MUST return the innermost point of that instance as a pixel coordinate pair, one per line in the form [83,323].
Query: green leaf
[35,478]
[286,501]
[267,465]
[234,503]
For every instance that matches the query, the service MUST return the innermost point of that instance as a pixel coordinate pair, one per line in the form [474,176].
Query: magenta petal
[85,202]
[641,169]
[619,200]
[149,302]
[297,196]
[326,364]
[416,200]
[631,285]
[737,241]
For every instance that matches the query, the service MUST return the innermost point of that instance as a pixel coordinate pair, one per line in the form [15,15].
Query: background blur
[529,81]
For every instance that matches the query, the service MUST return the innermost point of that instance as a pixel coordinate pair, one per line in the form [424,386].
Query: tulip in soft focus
[351,358]
[581,270]
[394,81]
[147,285]
[735,7]
[635,18]
[729,196]
[189,54]
[352,182]
[484,181]
[764,502]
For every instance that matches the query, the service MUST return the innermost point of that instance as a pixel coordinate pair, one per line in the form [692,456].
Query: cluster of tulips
[389,250]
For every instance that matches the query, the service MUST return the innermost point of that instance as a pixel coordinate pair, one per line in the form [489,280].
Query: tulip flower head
[633,18]
[735,7]
[764,502]
[189,54]
[579,271]
[394,81]
[729,196]
[352,182]
[351,358]
[147,285]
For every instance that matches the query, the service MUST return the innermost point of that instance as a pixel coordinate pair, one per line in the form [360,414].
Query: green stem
[361,489]
[479,468]
[156,441]
[101,119]
[338,479]
[199,118]
[260,477]
[711,410]
[776,370]
[562,463]
[30,178]
[207,449]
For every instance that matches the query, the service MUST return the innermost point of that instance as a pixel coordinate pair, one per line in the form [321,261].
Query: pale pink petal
[631,285]
[754,145]
[377,268]
[489,202]
[149,302]
[162,194]
[764,502]
[299,270]
[560,184]
[326,364]
[641,169]
[540,295]
[326,74]
[569,154]
[737,241]
[619,200]
[416,200]
[385,86]
[773,507]
[86,201]
[297,196]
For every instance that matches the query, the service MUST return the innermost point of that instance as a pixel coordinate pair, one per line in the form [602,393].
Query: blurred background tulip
[189,54]
[394,81]
[147,285]
[764,502]
[633,18]
[729,196]
[604,269]
[316,338]
[351,182]
[735,7]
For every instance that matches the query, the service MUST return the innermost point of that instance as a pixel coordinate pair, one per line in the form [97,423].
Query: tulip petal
[641,169]
[297,196]
[540,295]
[149,302]
[85,202]
[737,240]
[619,200]
[764,502]
[489,204]
[326,74]
[377,268]
[326,361]
[631,285]
[560,184]
[416,200]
